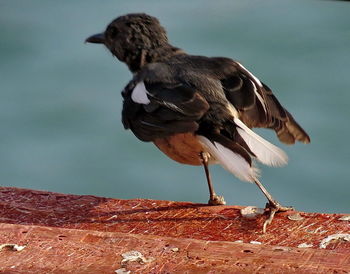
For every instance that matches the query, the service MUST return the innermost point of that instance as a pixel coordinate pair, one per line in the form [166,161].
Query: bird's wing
[157,109]
[258,107]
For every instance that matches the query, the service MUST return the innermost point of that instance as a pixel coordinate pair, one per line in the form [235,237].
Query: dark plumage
[196,109]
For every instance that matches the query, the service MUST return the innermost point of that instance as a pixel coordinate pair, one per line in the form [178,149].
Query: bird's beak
[96,39]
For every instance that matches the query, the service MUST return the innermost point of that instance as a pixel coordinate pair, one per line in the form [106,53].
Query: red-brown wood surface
[86,234]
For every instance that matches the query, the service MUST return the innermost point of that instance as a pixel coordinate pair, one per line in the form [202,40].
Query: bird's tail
[232,157]
[237,155]
[264,151]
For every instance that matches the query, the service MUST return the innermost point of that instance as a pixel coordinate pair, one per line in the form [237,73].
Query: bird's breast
[183,148]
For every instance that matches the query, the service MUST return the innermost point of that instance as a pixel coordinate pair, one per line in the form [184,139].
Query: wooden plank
[83,234]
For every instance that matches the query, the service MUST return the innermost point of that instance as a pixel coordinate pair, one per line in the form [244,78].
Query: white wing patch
[265,152]
[250,74]
[257,81]
[231,161]
[259,97]
[139,94]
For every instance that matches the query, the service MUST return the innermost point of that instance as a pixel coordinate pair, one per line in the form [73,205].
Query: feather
[265,152]
[255,82]
[231,161]
[249,73]
[262,102]
[139,94]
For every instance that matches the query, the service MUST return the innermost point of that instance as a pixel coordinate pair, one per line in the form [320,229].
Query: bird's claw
[273,207]
[216,200]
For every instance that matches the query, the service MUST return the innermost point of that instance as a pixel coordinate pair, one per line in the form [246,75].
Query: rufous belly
[183,148]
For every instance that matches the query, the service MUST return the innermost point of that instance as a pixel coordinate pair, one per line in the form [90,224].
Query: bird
[198,110]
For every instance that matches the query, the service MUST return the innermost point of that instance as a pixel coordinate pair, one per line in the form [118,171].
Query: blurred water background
[60,99]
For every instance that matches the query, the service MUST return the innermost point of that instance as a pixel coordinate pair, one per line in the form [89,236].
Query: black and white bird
[198,110]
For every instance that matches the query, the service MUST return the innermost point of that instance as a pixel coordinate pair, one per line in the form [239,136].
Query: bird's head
[131,38]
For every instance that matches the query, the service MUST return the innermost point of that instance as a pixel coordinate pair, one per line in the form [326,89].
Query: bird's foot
[216,200]
[273,207]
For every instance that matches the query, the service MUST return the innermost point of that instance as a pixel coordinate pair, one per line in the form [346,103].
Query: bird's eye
[113,32]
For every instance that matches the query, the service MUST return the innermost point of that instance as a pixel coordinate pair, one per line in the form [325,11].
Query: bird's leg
[272,206]
[213,199]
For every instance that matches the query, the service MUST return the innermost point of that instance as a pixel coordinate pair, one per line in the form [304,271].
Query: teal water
[60,99]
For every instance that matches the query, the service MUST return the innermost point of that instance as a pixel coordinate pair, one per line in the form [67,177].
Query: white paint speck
[14,247]
[122,271]
[305,245]
[255,242]
[135,256]
[340,236]
[344,218]
[251,212]
[295,217]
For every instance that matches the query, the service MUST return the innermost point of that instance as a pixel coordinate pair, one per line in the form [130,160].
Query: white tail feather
[265,152]
[231,161]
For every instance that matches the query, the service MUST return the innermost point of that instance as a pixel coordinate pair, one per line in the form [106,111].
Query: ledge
[62,233]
